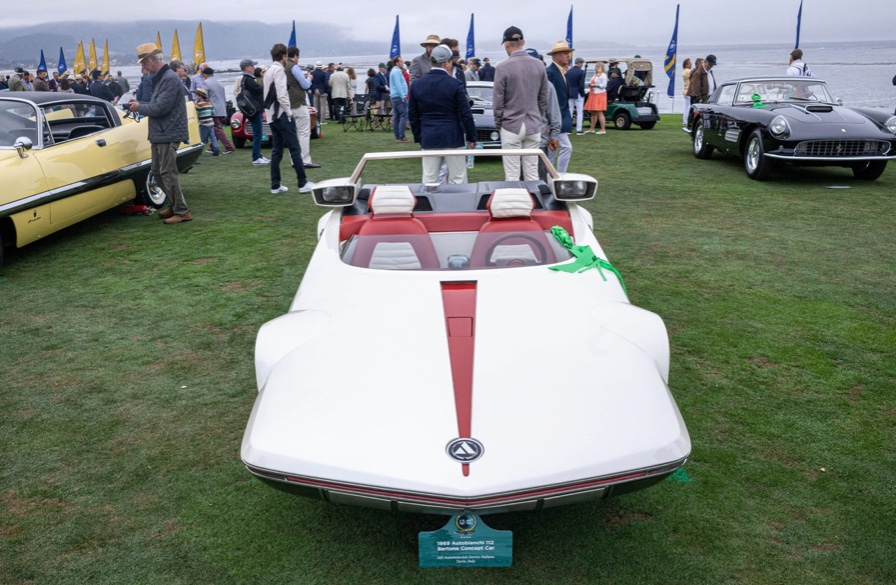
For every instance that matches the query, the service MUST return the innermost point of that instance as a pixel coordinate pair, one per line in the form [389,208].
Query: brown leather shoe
[179,218]
[166,213]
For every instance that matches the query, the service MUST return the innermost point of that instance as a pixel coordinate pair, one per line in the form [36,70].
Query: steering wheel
[541,252]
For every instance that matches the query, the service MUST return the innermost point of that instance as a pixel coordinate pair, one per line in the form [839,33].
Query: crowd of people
[534,104]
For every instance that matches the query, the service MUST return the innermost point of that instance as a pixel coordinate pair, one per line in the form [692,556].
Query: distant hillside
[230,40]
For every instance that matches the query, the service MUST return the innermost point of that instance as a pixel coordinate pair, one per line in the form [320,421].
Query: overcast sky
[631,22]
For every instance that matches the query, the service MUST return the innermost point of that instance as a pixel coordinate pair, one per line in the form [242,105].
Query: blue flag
[61,66]
[395,50]
[799,19]
[43,62]
[672,56]
[292,37]
[569,28]
[471,42]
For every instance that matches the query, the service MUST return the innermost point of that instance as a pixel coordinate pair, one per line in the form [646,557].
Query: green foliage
[127,378]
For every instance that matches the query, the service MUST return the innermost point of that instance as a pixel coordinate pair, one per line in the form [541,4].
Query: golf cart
[633,104]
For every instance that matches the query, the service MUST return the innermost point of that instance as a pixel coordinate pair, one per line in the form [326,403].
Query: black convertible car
[795,120]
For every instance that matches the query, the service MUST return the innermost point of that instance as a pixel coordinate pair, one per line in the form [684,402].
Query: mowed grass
[127,377]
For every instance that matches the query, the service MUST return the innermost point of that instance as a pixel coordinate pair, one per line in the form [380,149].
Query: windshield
[17,119]
[480,94]
[798,89]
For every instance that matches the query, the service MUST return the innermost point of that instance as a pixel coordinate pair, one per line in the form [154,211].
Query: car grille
[835,148]
[265,129]
[484,135]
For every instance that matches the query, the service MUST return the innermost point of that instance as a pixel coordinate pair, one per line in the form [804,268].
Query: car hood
[821,114]
[560,391]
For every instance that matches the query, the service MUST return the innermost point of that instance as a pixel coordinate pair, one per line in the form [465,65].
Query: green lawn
[126,380]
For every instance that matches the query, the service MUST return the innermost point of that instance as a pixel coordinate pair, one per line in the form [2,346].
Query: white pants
[560,157]
[457,168]
[687,110]
[303,129]
[511,163]
[578,104]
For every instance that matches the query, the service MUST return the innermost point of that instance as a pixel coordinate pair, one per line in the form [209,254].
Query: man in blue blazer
[560,54]
[441,118]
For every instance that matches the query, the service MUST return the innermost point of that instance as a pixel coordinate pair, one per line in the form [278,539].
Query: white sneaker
[280,189]
[261,161]
[266,160]
[307,187]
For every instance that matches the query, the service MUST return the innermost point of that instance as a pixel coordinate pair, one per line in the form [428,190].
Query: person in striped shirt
[205,111]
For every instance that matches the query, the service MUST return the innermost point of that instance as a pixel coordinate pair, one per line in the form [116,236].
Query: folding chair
[360,121]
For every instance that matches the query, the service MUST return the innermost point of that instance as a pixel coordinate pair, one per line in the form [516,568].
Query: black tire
[701,149]
[647,125]
[756,164]
[622,121]
[152,193]
[1,249]
[869,170]
[239,142]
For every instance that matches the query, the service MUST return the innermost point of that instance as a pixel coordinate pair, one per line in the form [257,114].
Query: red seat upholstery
[393,238]
[509,214]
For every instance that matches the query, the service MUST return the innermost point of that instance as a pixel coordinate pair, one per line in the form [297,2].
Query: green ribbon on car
[757,101]
[585,259]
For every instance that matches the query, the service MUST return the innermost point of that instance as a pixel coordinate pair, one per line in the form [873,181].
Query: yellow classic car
[66,157]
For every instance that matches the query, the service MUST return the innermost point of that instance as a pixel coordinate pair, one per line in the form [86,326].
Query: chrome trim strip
[830,159]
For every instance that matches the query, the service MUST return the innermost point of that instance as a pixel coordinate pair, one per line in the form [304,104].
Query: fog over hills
[223,40]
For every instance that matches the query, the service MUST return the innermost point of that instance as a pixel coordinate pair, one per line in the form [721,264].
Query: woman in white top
[353,90]
[596,104]
[686,76]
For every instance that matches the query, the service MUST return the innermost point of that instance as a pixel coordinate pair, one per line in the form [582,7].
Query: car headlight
[891,124]
[234,123]
[574,187]
[495,135]
[779,127]
[335,196]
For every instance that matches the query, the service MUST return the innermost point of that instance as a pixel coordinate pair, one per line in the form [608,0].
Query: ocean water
[860,74]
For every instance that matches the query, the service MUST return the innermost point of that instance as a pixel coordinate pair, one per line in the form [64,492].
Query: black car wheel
[647,125]
[701,149]
[239,142]
[622,121]
[869,170]
[153,194]
[757,165]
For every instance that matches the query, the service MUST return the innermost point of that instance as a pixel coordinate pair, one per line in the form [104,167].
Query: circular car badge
[465,523]
[464,450]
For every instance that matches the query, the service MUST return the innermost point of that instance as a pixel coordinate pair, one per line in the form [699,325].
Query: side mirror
[22,144]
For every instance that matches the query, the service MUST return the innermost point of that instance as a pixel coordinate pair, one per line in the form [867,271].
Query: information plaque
[465,542]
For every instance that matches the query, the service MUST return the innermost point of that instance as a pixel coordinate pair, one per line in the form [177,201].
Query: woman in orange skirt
[596,104]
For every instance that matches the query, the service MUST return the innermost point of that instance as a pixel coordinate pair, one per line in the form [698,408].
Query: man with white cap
[421,64]
[167,113]
[519,98]
[441,118]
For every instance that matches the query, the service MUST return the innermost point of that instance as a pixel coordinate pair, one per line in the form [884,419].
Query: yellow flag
[80,62]
[92,63]
[199,47]
[158,40]
[175,48]
[105,66]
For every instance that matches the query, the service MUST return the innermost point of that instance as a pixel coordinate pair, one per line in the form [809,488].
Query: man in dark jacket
[168,127]
[248,82]
[560,54]
[441,118]
[100,89]
[486,72]
[575,86]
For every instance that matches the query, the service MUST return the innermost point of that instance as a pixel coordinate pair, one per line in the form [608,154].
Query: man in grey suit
[520,98]
[421,64]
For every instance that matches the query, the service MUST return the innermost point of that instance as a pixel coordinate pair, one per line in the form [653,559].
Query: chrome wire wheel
[754,154]
[155,195]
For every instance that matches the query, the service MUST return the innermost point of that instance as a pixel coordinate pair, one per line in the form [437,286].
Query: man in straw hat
[421,64]
[520,96]
[560,55]
[167,115]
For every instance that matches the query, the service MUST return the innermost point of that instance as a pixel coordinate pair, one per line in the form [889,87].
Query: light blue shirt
[398,87]
[297,72]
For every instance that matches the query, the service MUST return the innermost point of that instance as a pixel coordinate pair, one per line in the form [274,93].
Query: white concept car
[462,347]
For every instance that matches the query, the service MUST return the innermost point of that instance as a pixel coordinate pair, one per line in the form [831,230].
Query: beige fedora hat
[431,40]
[147,50]
[560,47]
